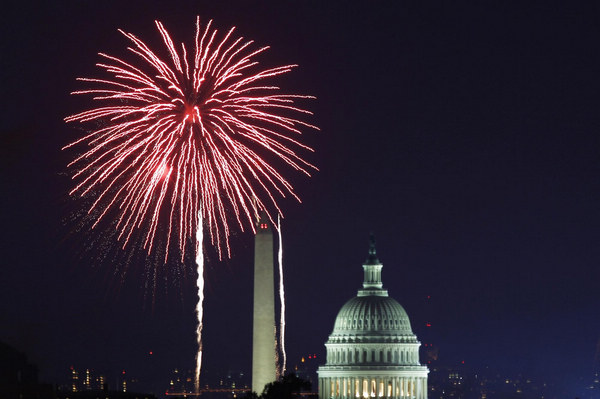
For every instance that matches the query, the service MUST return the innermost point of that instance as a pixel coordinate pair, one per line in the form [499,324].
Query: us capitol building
[372,351]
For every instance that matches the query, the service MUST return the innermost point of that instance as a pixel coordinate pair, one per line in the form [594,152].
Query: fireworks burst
[188,135]
[188,141]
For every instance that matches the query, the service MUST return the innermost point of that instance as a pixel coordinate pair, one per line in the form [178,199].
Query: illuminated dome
[373,316]
[372,351]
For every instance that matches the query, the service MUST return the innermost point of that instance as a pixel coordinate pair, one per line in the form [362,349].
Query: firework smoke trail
[188,141]
[281,298]
[199,305]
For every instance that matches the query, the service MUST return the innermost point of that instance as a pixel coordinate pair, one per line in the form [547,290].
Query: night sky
[464,136]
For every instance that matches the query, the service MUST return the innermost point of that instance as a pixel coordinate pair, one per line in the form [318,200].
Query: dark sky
[464,136]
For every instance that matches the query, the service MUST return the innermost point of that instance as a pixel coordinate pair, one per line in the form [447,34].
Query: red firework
[188,135]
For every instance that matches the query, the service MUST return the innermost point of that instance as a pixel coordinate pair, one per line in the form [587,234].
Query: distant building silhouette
[18,377]
[306,369]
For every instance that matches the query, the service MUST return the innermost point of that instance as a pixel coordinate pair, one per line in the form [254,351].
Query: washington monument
[263,337]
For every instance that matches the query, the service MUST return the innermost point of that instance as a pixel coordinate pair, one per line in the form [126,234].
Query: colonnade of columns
[342,355]
[373,387]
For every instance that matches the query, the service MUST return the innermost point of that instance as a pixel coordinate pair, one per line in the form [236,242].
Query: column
[333,387]
[418,393]
[362,387]
[361,382]
[321,393]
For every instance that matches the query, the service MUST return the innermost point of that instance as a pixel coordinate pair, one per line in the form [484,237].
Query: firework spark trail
[281,299]
[199,305]
[188,141]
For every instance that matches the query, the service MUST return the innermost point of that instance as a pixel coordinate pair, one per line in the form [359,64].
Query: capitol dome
[372,351]
[374,316]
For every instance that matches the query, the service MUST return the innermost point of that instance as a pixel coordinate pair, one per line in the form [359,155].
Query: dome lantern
[372,284]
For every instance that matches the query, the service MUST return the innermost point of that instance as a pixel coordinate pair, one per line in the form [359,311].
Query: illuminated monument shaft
[263,338]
